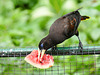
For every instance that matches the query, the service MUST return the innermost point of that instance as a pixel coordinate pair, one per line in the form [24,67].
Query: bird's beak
[41,52]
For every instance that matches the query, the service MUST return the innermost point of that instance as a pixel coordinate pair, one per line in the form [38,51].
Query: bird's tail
[79,8]
[84,18]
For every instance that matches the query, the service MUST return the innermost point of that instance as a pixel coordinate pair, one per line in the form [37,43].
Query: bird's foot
[80,47]
[54,49]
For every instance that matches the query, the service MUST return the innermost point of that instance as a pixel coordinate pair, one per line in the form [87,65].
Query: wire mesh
[68,61]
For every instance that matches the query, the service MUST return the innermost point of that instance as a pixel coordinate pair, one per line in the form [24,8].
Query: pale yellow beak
[39,51]
[42,53]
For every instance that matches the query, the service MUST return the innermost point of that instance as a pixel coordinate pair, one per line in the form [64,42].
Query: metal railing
[16,52]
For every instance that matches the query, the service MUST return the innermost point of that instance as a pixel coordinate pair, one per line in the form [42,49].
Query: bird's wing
[71,25]
[74,23]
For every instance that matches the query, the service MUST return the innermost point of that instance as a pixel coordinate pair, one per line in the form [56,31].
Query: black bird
[62,29]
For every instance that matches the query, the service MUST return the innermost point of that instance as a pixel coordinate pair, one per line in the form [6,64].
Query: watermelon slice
[46,61]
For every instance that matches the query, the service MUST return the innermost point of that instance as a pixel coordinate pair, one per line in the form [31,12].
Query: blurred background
[25,22]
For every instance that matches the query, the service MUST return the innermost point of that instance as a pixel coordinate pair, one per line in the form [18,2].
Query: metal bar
[16,52]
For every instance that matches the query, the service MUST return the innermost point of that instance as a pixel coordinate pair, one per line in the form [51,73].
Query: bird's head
[44,45]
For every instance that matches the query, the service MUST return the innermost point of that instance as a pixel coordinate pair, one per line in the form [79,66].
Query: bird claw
[54,48]
[80,46]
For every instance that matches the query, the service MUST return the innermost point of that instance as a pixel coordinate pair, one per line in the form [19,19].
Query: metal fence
[68,61]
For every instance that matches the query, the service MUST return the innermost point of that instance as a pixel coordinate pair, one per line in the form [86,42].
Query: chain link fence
[67,61]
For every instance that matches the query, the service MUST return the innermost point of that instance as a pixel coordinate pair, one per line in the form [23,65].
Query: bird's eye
[42,45]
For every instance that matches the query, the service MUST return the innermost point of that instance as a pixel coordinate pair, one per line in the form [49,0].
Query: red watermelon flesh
[46,61]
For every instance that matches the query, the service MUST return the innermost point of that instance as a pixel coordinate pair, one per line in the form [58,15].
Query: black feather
[62,29]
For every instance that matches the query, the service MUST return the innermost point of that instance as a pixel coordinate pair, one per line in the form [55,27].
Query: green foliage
[57,5]
[24,4]
[26,22]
